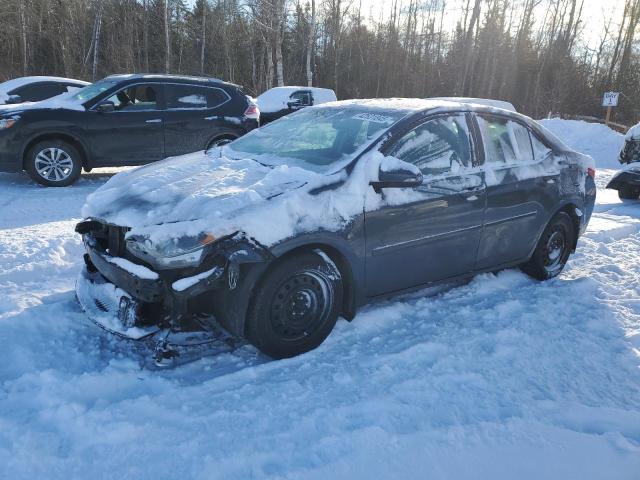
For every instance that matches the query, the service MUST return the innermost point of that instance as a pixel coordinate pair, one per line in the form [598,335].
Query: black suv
[121,120]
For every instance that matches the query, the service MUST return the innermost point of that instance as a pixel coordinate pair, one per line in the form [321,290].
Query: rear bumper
[624,177]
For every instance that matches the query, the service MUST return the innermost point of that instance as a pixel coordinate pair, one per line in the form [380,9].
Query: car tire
[553,249]
[218,142]
[54,163]
[295,306]
[628,192]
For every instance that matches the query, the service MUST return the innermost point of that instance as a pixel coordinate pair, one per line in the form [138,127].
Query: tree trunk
[23,31]
[278,34]
[310,42]
[167,44]
[204,35]
[96,40]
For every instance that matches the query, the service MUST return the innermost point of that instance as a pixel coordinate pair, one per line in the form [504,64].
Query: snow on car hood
[201,192]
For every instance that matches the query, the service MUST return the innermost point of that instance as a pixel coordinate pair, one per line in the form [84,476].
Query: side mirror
[14,99]
[106,107]
[397,174]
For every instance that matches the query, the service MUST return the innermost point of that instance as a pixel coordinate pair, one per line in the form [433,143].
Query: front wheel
[628,192]
[54,163]
[553,249]
[295,306]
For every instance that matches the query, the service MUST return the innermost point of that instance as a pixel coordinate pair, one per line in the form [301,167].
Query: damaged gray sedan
[271,238]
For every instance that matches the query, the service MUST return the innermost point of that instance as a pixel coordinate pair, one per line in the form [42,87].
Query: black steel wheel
[553,249]
[295,306]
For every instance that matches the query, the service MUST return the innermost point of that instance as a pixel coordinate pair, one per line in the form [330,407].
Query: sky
[596,13]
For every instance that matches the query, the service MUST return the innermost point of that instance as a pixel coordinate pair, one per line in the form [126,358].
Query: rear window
[194,97]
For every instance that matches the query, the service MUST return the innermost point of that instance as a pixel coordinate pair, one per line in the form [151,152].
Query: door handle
[154,120]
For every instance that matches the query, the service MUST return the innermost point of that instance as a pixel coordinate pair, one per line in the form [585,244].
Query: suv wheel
[296,306]
[218,142]
[54,163]
[628,192]
[553,249]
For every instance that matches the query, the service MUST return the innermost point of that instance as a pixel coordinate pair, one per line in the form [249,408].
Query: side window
[194,97]
[303,97]
[36,92]
[137,97]
[540,150]
[437,146]
[505,141]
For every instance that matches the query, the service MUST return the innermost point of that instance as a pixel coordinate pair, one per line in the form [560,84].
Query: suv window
[137,97]
[437,146]
[505,141]
[192,96]
[304,98]
[36,92]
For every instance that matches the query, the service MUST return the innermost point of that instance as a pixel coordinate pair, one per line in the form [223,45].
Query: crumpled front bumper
[134,301]
[110,307]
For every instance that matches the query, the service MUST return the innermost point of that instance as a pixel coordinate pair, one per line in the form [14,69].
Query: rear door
[194,116]
[522,186]
[434,233]
[132,134]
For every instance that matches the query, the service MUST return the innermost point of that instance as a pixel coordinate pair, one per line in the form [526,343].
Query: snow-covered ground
[502,378]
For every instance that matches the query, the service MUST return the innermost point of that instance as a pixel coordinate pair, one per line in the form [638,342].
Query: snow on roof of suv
[6,88]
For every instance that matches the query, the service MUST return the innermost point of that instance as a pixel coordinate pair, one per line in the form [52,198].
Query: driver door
[432,232]
[131,134]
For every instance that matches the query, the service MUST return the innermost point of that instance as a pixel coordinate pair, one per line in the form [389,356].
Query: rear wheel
[628,192]
[218,142]
[296,306]
[54,163]
[553,249]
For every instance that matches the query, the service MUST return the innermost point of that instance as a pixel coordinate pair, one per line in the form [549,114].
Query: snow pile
[594,139]
[633,133]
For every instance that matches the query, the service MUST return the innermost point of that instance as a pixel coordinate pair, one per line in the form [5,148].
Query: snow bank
[594,139]
[502,378]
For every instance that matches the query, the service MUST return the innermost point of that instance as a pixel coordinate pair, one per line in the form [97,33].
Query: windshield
[316,138]
[91,91]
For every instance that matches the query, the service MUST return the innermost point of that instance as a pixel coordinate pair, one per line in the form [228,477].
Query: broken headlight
[186,251]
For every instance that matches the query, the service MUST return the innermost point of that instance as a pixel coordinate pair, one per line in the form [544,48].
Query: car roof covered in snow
[21,81]
[489,102]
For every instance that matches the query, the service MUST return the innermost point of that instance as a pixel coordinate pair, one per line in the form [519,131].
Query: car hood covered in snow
[206,192]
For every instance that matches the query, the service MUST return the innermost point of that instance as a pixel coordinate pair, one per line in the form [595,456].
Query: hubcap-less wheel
[300,305]
[554,249]
[53,164]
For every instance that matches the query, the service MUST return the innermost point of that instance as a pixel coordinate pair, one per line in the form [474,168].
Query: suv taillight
[252,112]
[591,172]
